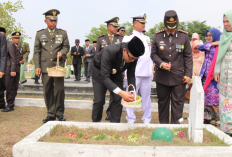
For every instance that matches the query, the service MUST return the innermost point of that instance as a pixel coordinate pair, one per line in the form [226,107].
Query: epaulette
[160,31]
[62,29]
[40,30]
[183,31]
[129,34]
[101,35]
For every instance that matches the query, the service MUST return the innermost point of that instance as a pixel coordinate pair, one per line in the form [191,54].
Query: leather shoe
[2,107]
[76,80]
[61,118]
[108,117]
[49,119]
[36,83]
[88,80]
[7,109]
[23,82]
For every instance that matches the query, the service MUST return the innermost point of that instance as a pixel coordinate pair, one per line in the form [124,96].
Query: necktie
[170,37]
[111,39]
[51,33]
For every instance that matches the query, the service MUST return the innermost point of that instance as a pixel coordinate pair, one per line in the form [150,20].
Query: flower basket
[134,104]
[57,71]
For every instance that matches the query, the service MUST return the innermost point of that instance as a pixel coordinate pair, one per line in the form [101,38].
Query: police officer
[14,60]
[107,39]
[107,68]
[171,52]
[51,44]
[143,71]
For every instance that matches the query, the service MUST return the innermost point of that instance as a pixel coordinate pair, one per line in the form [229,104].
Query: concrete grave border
[30,147]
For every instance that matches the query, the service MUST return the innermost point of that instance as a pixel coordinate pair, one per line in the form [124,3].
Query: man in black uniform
[107,68]
[107,39]
[77,51]
[3,60]
[14,60]
[171,52]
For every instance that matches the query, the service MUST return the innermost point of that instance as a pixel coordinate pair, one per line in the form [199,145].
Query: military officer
[143,71]
[104,40]
[107,68]
[51,44]
[171,52]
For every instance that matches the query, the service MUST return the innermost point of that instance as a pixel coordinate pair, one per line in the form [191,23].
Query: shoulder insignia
[183,31]
[159,31]
[40,30]
[62,29]
[129,34]
[101,35]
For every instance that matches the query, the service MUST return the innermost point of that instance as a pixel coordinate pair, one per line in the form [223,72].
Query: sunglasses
[122,30]
[16,37]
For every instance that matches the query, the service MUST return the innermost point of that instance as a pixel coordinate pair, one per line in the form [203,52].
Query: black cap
[52,14]
[171,19]
[94,41]
[16,34]
[2,29]
[113,21]
[86,40]
[136,47]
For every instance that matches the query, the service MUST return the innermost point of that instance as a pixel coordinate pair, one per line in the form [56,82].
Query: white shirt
[144,64]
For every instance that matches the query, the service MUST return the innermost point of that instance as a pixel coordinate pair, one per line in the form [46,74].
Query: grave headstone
[196,110]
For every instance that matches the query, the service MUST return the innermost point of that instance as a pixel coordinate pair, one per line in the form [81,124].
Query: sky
[77,17]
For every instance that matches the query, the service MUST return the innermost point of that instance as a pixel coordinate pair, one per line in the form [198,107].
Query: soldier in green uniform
[26,51]
[50,44]
[107,39]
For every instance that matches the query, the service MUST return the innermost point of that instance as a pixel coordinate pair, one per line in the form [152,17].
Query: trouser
[2,89]
[143,84]
[99,100]
[11,86]
[177,96]
[77,70]
[68,71]
[53,88]
[22,74]
[83,70]
[33,72]
[87,69]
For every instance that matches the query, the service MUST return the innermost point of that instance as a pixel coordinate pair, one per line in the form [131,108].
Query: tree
[95,32]
[6,19]
[128,27]
[188,26]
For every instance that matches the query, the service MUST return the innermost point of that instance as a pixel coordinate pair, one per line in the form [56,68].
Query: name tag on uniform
[43,36]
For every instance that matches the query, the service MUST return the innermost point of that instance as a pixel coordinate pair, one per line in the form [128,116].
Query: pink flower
[121,138]
[55,68]
[181,133]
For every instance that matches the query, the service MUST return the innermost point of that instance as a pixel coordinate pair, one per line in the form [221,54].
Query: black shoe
[23,82]
[108,117]
[77,80]
[49,119]
[61,118]
[7,109]
[2,107]
[32,78]
[88,80]
[36,83]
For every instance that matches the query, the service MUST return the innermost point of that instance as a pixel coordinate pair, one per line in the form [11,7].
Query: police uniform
[174,49]
[104,41]
[47,44]
[12,82]
[143,74]
[107,68]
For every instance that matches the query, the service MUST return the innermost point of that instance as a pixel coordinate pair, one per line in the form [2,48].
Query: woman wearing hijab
[211,111]
[198,60]
[195,36]
[223,74]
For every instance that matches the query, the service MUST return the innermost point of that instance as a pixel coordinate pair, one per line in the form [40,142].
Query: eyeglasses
[208,36]
[16,37]
[130,57]
[122,30]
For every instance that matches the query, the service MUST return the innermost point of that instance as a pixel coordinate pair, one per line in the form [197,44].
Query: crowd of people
[115,58]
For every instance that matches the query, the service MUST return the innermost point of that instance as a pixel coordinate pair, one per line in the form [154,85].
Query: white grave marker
[196,110]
